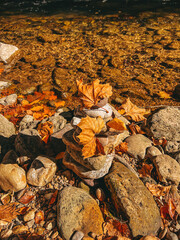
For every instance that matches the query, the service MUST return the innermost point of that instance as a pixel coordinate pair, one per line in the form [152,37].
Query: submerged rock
[6,52]
[8,100]
[131,197]
[77,211]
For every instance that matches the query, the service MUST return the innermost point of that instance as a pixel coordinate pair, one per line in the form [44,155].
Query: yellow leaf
[37,108]
[133,112]
[117,124]
[90,127]
[59,104]
[163,94]
[24,102]
[92,93]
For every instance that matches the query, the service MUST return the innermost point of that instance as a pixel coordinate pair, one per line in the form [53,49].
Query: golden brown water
[138,55]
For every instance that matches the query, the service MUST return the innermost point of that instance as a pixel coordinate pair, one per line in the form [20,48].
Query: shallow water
[137,51]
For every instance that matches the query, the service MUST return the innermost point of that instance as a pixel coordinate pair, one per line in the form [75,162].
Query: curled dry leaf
[92,93]
[158,190]
[53,198]
[130,110]
[117,124]
[145,171]
[89,128]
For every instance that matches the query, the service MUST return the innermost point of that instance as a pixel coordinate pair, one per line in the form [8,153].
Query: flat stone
[7,128]
[165,123]
[6,51]
[12,177]
[77,211]
[137,145]
[41,171]
[84,172]
[58,121]
[29,215]
[167,168]
[69,140]
[104,112]
[8,100]
[56,139]
[131,197]
[92,163]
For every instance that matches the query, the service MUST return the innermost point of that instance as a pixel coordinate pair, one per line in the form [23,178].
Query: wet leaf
[8,212]
[53,198]
[135,129]
[131,111]
[89,128]
[1,70]
[163,94]
[158,190]
[122,148]
[92,93]
[162,141]
[37,108]
[39,216]
[117,124]
[145,171]
[59,104]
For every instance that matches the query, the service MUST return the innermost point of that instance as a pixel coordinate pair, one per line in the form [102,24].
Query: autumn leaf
[117,124]
[53,198]
[89,128]
[145,171]
[92,93]
[158,190]
[37,108]
[39,217]
[135,129]
[45,130]
[27,197]
[59,104]
[161,141]
[60,155]
[1,70]
[163,94]
[121,148]
[8,212]
[168,210]
[130,110]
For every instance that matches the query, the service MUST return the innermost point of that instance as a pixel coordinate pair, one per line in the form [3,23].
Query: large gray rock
[137,145]
[78,211]
[84,172]
[4,84]
[131,197]
[27,122]
[7,128]
[12,177]
[8,100]
[58,122]
[167,168]
[165,123]
[41,172]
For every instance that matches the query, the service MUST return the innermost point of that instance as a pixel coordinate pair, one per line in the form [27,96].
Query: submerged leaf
[92,93]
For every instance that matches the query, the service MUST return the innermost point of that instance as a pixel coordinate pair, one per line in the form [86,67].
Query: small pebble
[39,230]
[78,235]
[55,235]
[29,216]
[100,194]
[171,236]
[19,229]
[30,223]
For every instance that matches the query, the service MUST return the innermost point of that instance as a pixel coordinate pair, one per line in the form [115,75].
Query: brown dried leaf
[145,171]
[132,111]
[158,190]
[27,197]
[122,148]
[163,94]
[45,130]
[162,141]
[39,217]
[117,124]
[92,93]
[135,129]
[90,127]
[8,212]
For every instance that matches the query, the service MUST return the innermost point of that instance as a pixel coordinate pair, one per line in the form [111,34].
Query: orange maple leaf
[92,93]
[89,128]
[130,110]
